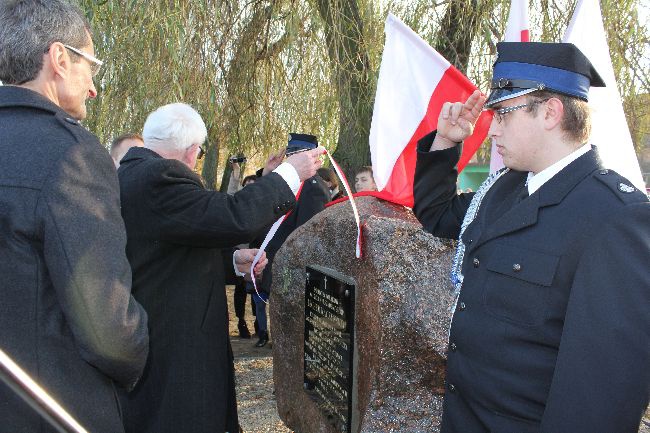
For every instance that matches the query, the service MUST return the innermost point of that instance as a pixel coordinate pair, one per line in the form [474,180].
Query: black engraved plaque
[329,340]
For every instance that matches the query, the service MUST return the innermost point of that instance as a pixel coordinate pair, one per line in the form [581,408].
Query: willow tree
[461,23]
[266,33]
[155,53]
[221,57]
[352,75]
[258,69]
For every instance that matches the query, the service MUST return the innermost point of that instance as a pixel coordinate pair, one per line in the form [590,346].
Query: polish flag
[414,82]
[609,130]
[517,30]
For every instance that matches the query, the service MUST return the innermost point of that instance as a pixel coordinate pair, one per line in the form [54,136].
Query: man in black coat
[550,332]
[66,314]
[176,232]
[312,198]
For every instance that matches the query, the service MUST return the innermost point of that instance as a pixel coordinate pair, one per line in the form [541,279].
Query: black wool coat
[551,332]
[66,314]
[312,199]
[176,231]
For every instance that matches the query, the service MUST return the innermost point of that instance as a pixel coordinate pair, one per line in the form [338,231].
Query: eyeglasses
[95,63]
[500,113]
[201,152]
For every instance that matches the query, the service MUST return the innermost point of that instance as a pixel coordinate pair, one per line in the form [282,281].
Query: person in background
[314,195]
[363,180]
[332,182]
[67,316]
[551,329]
[122,144]
[251,178]
[235,174]
[180,240]
[239,293]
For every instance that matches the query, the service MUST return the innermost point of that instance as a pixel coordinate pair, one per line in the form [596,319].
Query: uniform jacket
[66,314]
[312,199]
[176,231]
[552,328]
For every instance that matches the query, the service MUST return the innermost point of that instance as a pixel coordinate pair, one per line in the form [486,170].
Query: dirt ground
[254,375]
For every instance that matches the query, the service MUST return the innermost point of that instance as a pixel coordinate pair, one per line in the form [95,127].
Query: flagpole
[36,397]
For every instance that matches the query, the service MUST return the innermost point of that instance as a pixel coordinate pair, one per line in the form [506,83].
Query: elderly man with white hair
[176,235]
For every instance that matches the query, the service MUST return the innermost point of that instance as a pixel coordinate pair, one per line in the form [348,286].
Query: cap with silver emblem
[525,67]
[299,142]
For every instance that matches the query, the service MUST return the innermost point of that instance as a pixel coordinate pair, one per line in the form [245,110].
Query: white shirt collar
[535,181]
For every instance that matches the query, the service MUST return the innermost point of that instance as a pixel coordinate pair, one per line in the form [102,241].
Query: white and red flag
[517,30]
[414,82]
[609,130]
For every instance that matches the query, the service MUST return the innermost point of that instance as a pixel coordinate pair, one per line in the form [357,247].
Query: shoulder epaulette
[620,186]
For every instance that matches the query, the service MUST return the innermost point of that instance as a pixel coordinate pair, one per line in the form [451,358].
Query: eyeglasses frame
[499,113]
[95,63]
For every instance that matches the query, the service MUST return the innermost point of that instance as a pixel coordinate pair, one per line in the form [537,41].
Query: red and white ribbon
[353,203]
[276,225]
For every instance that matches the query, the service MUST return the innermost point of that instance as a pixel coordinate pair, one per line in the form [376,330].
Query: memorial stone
[397,326]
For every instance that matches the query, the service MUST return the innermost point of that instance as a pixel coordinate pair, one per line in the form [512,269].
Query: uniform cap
[524,67]
[298,142]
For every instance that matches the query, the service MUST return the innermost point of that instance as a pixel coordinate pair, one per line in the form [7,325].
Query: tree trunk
[210,165]
[351,71]
[458,28]
[225,179]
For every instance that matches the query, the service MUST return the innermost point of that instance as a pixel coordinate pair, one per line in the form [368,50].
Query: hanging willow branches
[258,69]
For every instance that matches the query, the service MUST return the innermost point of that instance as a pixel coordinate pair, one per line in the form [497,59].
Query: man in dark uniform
[66,313]
[312,198]
[550,332]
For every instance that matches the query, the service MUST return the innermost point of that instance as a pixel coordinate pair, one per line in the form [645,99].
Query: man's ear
[190,156]
[553,111]
[193,149]
[58,59]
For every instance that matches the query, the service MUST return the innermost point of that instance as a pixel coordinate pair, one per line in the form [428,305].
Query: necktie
[523,193]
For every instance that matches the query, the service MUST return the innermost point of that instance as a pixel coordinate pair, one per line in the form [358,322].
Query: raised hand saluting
[456,121]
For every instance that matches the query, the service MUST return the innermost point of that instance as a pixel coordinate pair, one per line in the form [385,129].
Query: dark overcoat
[66,314]
[176,231]
[551,332]
[312,198]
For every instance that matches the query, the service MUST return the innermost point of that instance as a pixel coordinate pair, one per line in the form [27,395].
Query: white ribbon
[276,225]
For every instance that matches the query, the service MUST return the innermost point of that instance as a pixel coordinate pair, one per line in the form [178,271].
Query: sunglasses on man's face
[201,152]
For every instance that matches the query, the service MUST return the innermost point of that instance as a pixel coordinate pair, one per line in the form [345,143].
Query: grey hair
[174,127]
[29,27]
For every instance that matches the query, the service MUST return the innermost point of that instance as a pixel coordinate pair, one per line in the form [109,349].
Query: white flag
[609,130]
[517,30]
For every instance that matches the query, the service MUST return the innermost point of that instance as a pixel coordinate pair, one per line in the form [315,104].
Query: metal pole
[36,397]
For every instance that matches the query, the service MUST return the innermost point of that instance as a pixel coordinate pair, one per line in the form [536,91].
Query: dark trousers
[239,299]
[260,307]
